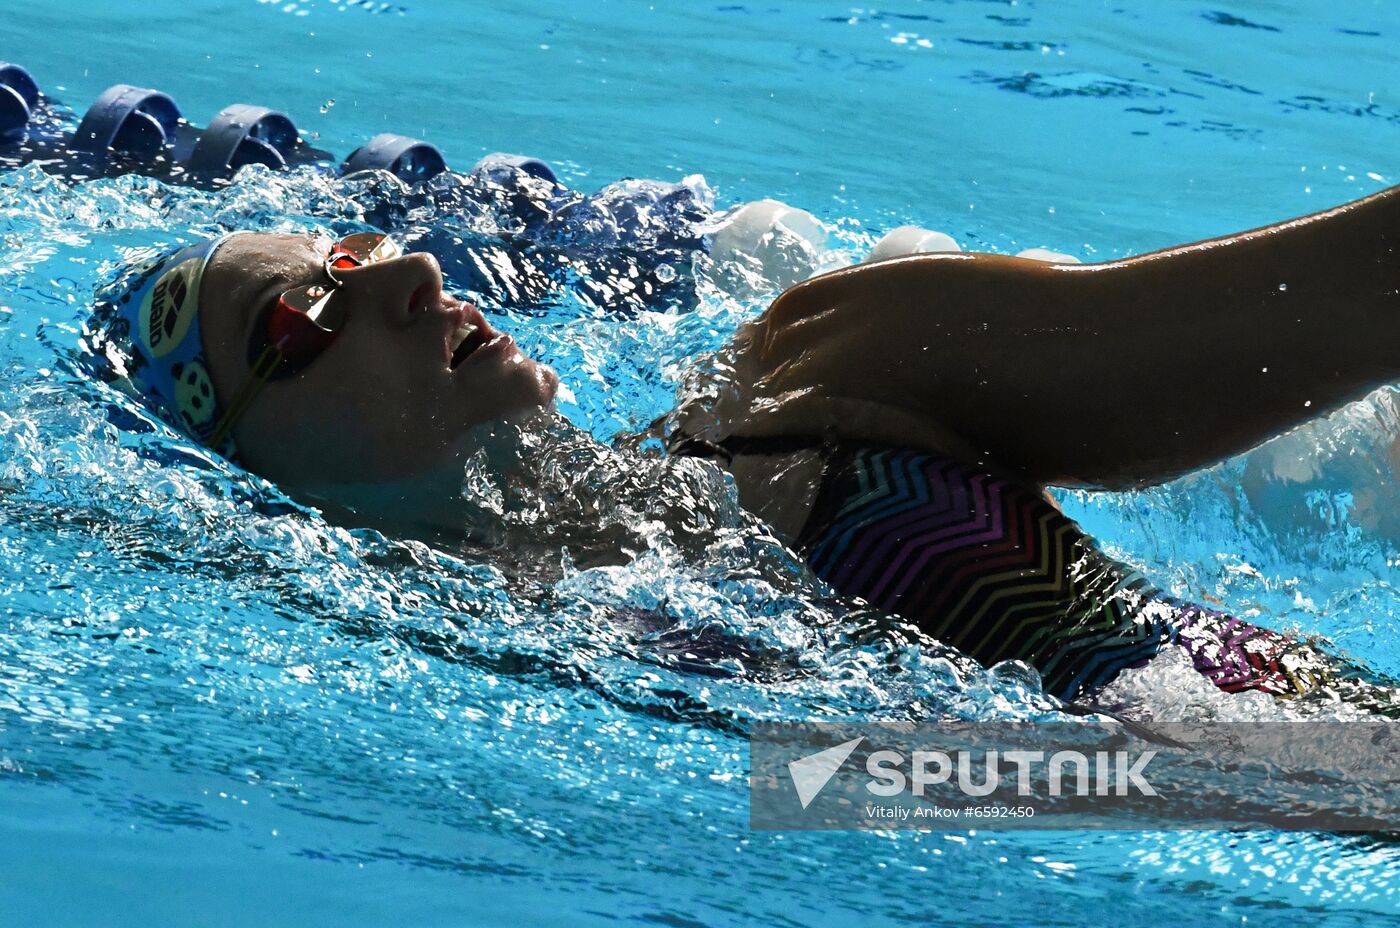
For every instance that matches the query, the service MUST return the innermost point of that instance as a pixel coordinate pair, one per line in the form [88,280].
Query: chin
[535,393]
[549,380]
[538,385]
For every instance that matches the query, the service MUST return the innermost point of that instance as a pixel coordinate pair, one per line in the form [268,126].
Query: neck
[460,500]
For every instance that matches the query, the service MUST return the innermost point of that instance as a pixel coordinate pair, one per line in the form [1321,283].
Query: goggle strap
[257,378]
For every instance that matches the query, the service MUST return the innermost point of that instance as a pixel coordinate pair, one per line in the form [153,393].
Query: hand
[846,356]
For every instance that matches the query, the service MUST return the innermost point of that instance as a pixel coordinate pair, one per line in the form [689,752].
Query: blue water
[218,709]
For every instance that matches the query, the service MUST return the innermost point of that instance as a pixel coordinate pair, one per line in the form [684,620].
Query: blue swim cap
[151,318]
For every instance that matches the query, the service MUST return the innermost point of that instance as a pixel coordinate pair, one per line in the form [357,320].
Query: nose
[399,292]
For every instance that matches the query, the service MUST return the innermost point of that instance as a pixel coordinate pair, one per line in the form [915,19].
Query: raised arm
[1117,374]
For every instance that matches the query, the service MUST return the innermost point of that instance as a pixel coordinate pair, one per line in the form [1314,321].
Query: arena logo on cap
[170,307]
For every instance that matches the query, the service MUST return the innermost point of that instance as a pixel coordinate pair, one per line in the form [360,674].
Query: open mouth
[466,339]
[469,335]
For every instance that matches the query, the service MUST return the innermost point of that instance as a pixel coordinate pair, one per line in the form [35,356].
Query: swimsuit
[986,563]
[982,563]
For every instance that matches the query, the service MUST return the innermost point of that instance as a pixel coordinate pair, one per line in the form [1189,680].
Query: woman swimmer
[895,422]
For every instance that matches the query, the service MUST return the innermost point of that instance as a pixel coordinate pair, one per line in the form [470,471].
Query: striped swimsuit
[987,564]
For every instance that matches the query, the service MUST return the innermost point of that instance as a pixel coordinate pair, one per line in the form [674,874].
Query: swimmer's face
[383,401]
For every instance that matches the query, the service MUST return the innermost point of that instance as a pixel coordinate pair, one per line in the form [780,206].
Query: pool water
[218,709]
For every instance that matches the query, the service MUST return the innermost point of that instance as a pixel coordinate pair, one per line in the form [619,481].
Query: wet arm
[1118,374]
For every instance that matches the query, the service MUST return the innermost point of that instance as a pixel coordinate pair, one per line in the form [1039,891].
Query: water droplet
[1283,287]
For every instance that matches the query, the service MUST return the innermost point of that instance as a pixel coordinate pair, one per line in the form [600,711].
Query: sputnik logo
[811,773]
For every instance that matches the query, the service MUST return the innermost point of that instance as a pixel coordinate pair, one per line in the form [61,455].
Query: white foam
[1170,689]
[780,243]
[911,240]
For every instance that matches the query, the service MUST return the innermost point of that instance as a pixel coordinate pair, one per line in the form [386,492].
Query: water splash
[181,638]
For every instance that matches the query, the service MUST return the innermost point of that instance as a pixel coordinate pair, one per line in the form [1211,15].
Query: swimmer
[896,422]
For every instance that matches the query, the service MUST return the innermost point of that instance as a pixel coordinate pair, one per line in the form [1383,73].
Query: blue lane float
[127,123]
[19,96]
[406,158]
[532,167]
[131,129]
[242,135]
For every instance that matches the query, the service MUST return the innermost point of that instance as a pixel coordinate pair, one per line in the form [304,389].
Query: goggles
[300,324]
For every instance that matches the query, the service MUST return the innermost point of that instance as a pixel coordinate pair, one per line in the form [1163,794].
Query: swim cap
[152,319]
